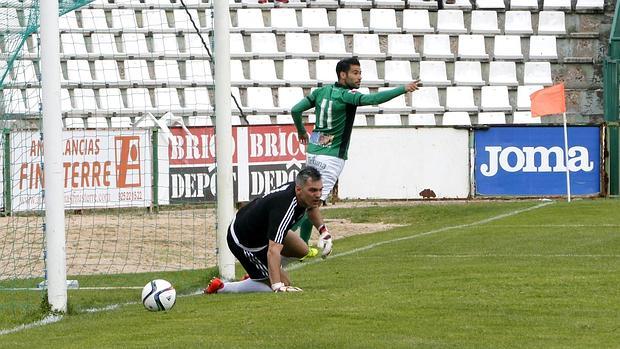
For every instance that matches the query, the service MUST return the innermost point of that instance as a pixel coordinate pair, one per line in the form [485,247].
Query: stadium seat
[366,109]
[154,19]
[396,4]
[559,5]
[423,4]
[590,5]
[367,46]
[332,46]
[68,21]
[111,99]
[8,16]
[299,45]
[107,70]
[288,97]
[537,73]
[484,22]
[524,117]
[167,99]
[369,73]
[72,44]
[417,21]
[528,5]
[455,118]
[296,72]
[450,22]
[460,98]
[360,120]
[258,119]
[315,20]
[237,77]
[199,120]
[23,72]
[263,71]
[260,101]
[507,47]
[551,23]
[490,4]
[196,71]
[468,73]
[401,46]
[458,4]
[503,73]
[103,43]
[264,45]
[421,119]
[137,70]
[85,100]
[139,99]
[383,21]
[397,104]
[426,99]
[523,96]
[165,44]
[284,20]
[518,23]
[65,101]
[197,98]
[124,19]
[437,46]
[120,122]
[134,44]
[96,122]
[433,73]
[349,20]
[494,98]
[237,48]
[195,48]
[251,20]
[397,72]
[182,21]
[472,47]
[491,118]
[326,71]
[388,119]
[78,71]
[74,123]
[543,47]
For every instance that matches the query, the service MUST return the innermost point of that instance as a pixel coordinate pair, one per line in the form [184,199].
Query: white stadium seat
[472,47]
[450,22]
[251,20]
[437,46]
[370,76]
[551,23]
[490,4]
[165,44]
[523,96]
[332,46]
[468,73]
[289,96]
[154,19]
[263,71]
[426,99]
[388,119]
[397,72]
[528,5]
[315,20]
[518,23]
[543,47]
[349,20]
[284,20]
[460,98]
[433,73]
[326,71]
[491,118]
[417,21]
[96,122]
[401,46]
[84,99]
[421,119]
[537,73]
[397,104]
[197,71]
[484,22]
[383,21]
[524,117]
[495,98]
[455,118]
[264,45]
[260,100]
[367,46]
[197,98]
[94,19]
[167,99]
[507,47]
[591,5]
[296,72]
[503,73]
[559,5]
[298,45]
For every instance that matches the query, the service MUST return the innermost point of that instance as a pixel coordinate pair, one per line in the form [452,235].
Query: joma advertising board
[101,168]
[524,161]
[264,158]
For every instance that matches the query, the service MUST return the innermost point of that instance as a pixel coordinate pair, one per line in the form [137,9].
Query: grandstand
[478,60]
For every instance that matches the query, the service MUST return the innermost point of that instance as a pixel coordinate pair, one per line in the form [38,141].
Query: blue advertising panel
[530,161]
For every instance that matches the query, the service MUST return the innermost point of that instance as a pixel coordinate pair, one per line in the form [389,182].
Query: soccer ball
[158,295]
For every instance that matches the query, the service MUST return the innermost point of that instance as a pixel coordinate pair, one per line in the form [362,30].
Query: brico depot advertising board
[101,168]
[264,158]
[530,161]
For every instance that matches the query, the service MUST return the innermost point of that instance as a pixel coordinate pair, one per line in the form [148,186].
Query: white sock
[245,286]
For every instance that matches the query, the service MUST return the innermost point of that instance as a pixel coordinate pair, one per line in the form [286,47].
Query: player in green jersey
[326,147]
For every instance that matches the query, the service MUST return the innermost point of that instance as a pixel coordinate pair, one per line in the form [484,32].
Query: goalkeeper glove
[325,241]
[280,287]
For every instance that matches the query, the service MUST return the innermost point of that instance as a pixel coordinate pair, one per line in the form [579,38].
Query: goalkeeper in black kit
[259,236]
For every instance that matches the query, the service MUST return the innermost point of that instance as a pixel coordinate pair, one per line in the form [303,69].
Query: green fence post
[6,172]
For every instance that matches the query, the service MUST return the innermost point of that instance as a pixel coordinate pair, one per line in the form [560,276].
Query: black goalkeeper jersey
[267,218]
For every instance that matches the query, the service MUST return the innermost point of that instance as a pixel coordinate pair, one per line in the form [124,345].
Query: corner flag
[548,101]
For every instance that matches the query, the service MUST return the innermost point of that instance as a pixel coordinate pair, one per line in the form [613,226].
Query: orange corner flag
[548,101]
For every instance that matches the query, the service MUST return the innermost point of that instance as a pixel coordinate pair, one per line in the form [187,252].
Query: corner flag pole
[566,158]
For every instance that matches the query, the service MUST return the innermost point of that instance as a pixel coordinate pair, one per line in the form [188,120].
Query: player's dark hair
[345,64]
[307,173]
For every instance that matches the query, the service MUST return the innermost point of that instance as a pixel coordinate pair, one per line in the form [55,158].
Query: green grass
[545,278]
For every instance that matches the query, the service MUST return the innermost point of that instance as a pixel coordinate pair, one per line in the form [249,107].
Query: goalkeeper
[326,147]
[258,236]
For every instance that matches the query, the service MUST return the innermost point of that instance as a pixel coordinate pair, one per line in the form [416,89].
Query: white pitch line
[296,266]
[514,256]
[430,232]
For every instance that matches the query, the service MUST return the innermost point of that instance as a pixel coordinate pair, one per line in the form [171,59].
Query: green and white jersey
[335,107]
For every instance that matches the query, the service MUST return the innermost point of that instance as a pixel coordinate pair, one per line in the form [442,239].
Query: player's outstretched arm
[381,97]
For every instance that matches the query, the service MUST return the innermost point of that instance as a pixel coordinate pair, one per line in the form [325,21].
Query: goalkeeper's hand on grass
[280,287]
[325,241]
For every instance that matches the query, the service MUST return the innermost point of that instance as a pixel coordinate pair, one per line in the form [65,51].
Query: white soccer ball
[158,295]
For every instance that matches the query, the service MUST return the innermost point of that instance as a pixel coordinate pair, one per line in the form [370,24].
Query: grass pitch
[475,275]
